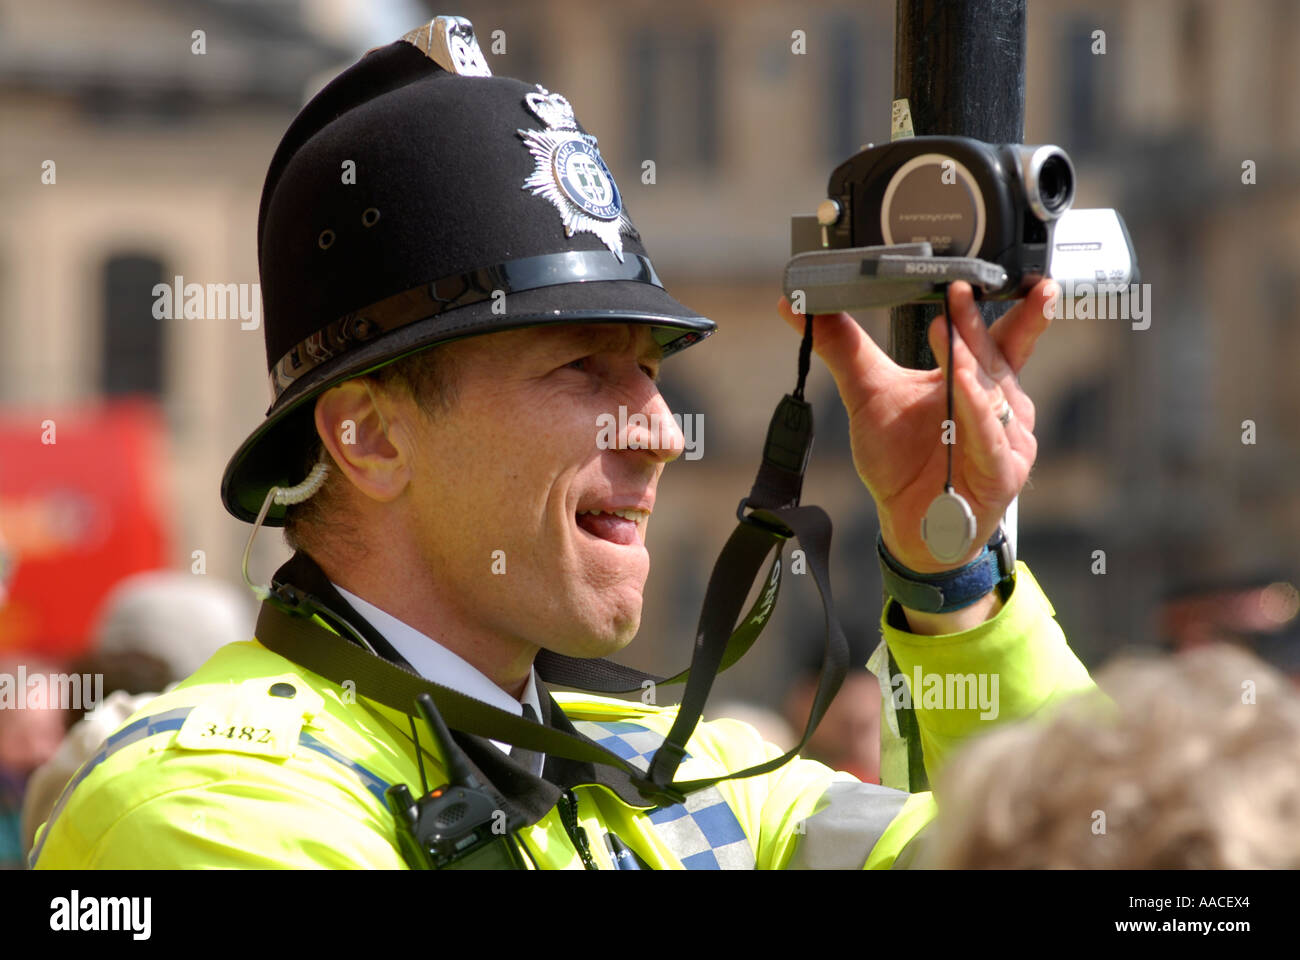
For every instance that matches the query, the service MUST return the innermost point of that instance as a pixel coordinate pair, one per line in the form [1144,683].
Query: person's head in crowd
[177,620]
[28,735]
[1188,761]
[848,737]
[153,630]
[132,671]
[1261,604]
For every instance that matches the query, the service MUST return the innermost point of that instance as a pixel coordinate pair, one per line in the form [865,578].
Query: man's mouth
[615,526]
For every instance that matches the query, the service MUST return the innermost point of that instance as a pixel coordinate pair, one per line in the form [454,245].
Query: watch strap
[952,589]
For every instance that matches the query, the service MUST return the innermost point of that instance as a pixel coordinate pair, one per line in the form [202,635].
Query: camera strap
[768,517]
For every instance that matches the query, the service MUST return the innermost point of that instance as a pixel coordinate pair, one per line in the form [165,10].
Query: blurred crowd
[1178,762]
[155,629]
[1186,758]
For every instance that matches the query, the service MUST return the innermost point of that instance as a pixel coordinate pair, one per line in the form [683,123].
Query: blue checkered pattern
[631,741]
[703,832]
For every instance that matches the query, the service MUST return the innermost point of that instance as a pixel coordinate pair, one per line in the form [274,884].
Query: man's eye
[650,372]
[579,364]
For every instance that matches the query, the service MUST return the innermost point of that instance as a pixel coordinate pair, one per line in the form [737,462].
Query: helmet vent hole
[325,240]
[370,217]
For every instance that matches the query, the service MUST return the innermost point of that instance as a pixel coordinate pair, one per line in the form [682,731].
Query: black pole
[961,66]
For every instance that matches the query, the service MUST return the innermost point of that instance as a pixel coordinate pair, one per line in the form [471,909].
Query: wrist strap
[953,589]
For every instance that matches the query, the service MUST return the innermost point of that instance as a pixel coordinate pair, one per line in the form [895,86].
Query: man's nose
[655,430]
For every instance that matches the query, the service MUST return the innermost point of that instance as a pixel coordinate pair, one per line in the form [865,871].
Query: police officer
[458,520]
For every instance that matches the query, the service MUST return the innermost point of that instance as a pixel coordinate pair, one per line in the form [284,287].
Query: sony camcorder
[903,220]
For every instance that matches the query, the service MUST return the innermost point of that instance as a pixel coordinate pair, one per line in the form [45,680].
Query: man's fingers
[977,400]
[853,358]
[970,325]
[981,438]
[1001,455]
[993,366]
[963,357]
[1016,331]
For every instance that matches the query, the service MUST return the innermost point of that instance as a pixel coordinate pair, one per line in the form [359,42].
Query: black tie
[530,760]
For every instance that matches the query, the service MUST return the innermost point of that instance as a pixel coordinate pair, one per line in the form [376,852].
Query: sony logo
[925,268]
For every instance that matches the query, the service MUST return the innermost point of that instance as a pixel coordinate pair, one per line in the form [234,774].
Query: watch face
[948,527]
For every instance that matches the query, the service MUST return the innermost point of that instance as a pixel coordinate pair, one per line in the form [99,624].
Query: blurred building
[130,159]
[160,156]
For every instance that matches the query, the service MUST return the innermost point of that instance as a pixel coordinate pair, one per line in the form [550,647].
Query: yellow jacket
[221,772]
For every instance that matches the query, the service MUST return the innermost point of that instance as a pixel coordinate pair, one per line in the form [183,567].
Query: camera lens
[1055,184]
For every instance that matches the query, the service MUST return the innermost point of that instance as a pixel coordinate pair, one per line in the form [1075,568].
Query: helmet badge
[571,173]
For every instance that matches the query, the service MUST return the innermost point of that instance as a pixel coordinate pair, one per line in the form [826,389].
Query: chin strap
[768,517]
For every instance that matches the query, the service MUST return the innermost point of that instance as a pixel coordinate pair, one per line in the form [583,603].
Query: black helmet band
[429,300]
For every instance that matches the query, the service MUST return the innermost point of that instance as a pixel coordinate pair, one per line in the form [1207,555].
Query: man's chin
[597,641]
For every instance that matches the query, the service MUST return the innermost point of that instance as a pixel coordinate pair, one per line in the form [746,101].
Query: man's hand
[896,416]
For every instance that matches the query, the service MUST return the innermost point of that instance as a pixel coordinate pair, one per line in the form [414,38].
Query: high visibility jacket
[256,762]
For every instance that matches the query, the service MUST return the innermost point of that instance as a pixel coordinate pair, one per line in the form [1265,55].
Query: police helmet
[415,200]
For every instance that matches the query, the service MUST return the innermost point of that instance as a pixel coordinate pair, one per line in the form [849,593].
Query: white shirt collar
[435,662]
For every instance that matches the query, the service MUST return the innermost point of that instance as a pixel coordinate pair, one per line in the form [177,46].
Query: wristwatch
[952,589]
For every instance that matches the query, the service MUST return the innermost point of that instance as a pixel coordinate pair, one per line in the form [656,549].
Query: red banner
[81,506]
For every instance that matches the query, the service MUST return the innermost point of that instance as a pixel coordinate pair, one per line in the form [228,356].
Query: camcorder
[903,220]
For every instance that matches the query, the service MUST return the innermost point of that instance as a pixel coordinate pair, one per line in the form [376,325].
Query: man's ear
[370,444]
